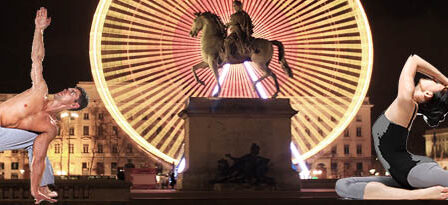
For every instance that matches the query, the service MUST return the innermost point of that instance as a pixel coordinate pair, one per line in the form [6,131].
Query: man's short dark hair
[237,2]
[83,99]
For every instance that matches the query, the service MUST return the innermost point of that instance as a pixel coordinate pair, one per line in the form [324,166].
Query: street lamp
[70,115]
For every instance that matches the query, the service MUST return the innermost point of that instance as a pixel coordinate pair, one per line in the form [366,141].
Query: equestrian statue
[239,46]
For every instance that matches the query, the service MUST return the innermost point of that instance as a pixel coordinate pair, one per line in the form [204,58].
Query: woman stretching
[412,176]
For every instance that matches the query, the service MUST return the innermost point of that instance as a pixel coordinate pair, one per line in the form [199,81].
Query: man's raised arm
[38,50]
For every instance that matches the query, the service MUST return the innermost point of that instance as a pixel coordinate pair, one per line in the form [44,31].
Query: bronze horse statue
[213,34]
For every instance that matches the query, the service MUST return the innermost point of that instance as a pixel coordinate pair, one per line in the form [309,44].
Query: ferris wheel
[141,59]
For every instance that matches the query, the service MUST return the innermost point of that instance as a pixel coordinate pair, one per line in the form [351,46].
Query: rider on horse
[238,43]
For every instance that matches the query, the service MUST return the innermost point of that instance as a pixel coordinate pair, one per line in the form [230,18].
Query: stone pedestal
[218,126]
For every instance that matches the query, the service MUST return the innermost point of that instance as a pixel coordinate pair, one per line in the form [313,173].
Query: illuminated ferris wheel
[141,57]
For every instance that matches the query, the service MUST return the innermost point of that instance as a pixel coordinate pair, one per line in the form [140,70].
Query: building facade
[351,153]
[436,145]
[89,142]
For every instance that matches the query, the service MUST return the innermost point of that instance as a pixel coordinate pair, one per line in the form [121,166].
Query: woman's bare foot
[435,192]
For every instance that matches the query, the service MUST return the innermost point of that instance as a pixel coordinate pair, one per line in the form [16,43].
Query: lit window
[57,148]
[85,148]
[71,148]
[86,116]
[72,131]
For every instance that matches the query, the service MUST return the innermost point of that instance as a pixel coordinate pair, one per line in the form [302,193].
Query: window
[358,132]
[71,148]
[85,148]
[129,148]
[346,133]
[115,148]
[57,148]
[101,116]
[86,116]
[85,130]
[14,176]
[346,149]
[99,168]
[14,165]
[100,130]
[84,165]
[2,165]
[347,165]
[334,167]
[15,151]
[100,148]
[358,118]
[72,131]
[359,166]
[115,130]
[59,132]
[113,168]
[334,150]
[359,149]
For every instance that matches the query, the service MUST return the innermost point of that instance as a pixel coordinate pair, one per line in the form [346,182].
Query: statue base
[215,127]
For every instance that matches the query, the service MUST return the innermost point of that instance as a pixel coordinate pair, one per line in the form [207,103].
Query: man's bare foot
[45,190]
[39,197]
[435,192]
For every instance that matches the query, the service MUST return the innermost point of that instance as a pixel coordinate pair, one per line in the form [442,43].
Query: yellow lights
[64,114]
[61,173]
[71,114]
[141,57]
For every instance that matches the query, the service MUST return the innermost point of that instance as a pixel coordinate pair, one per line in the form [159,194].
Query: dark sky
[399,28]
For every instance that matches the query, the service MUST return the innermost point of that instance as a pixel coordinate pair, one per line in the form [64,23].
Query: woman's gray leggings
[421,176]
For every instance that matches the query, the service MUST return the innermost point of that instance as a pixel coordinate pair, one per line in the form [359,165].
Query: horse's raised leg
[199,66]
[213,64]
[268,72]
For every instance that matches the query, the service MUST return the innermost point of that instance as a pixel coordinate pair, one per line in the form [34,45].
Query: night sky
[399,28]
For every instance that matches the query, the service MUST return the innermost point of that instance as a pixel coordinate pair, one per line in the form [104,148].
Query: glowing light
[61,173]
[225,70]
[304,171]
[22,171]
[64,114]
[74,114]
[181,165]
[253,77]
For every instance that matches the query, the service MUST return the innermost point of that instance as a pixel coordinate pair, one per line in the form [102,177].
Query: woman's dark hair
[435,110]
[83,99]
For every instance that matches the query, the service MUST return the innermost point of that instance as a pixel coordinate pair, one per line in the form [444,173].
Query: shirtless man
[34,111]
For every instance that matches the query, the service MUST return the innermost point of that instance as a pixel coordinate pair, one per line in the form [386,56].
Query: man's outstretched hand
[42,22]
